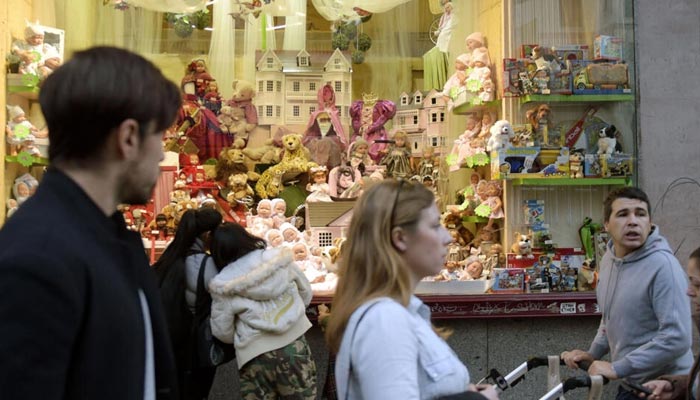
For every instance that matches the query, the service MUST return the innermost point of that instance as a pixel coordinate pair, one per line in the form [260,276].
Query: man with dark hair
[645,324]
[80,311]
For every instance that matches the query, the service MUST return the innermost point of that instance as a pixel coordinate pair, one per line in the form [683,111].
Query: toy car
[602,76]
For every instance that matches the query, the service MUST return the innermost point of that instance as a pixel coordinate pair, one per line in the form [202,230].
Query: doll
[358,155]
[481,73]
[368,118]
[445,27]
[290,234]
[473,270]
[490,194]
[455,84]
[466,144]
[426,166]
[341,180]
[196,72]
[319,189]
[451,272]
[36,57]
[212,98]
[274,238]
[487,121]
[21,133]
[398,157]
[262,222]
[279,211]
[24,187]
[200,125]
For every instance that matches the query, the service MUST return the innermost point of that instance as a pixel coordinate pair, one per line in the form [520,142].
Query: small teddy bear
[232,120]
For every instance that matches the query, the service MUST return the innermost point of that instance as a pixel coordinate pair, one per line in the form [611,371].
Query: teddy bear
[242,98]
[238,183]
[268,153]
[576,164]
[233,122]
[295,161]
[232,161]
[501,136]
[522,246]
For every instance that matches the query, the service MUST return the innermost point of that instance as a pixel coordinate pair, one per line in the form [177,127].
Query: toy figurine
[324,126]
[426,166]
[319,188]
[522,245]
[398,157]
[274,238]
[212,98]
[607,142]
[368,118]
[290,234]
[36,57]
[576,164]
[490,195]
[196,72]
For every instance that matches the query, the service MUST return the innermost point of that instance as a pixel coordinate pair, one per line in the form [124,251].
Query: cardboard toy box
[590,77]
[454,287]
[607,48]
[616,165]
[591,166]
[508,280]
[571,52]
[517,74]
[526,162]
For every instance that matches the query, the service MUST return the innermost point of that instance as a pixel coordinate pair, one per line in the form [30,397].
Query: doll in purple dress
[368,118]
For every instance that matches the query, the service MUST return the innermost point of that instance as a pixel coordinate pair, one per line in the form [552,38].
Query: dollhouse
[288,83]
[422,116]
[328,221]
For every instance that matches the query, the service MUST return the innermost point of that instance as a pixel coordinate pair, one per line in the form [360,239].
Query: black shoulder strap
[203,299]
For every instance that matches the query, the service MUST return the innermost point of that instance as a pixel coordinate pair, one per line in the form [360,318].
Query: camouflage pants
[287,373]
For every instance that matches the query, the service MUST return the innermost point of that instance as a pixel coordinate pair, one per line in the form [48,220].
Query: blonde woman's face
[426,244]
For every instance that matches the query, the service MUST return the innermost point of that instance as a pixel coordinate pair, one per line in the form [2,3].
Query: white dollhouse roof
[338,62]
[269,61]
[303,59]
[319,61]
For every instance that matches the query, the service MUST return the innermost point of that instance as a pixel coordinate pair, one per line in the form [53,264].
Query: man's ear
[398,239]
[128,139]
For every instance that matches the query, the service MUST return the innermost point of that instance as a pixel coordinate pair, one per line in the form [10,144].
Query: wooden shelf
[571,182]
[512,305]
[576,98]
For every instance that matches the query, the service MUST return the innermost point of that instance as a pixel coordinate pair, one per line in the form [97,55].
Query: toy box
[616,165]
[508,280]
[516,76]
[533,211]
[607,47]
[590,77]
[514,162]
[571,52]
[591,166]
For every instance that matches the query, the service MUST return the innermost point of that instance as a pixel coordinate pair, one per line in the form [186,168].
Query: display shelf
[35,160]
[511,305]
[576,98]
[475,219]
[571,182]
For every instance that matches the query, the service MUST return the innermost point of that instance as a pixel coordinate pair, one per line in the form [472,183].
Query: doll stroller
[556,387]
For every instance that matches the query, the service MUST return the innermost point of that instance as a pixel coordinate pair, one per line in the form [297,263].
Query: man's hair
[695,254]
[626,192]
[85,99]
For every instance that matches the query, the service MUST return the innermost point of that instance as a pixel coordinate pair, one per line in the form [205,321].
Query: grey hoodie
[646,325]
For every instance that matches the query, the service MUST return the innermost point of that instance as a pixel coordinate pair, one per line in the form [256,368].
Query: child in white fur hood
[259,302]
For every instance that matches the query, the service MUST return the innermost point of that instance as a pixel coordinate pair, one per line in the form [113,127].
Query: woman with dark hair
[178,270]
[259,304]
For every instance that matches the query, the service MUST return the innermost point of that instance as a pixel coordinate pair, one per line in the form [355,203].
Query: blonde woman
[385,344]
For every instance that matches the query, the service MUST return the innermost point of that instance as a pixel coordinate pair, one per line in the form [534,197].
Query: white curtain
[295,25]
[172,6]
[222,48]
[333,10]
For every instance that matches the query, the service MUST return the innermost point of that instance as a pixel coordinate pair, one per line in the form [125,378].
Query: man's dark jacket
[71,325]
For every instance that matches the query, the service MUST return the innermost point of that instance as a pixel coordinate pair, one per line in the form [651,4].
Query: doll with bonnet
[457,81]
[24,187]
[463,147]
[279,211]
[358,155]
[480,74]
[273,238]
[36,56]
[21,133]
[262,222]
[319,189]
[290,234]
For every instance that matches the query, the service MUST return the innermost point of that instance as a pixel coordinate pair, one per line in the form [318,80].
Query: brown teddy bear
[242,98]
[268,153]
[233,122]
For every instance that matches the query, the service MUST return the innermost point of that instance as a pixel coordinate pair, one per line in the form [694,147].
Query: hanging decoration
[346,32]
[121,5]
[185,24]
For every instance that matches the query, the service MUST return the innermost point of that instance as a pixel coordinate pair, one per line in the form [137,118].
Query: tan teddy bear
[239,187]
[268,153]
[242,98]
[233,122]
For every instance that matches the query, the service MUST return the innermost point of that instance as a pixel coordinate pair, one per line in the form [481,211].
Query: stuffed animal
[576,164]
[268,153]
[233,122]
[232,161]
[607,140]
[540,118]
[294,160]
[587,276]
[522,246]
[239,187]
[501,136]
[243,93]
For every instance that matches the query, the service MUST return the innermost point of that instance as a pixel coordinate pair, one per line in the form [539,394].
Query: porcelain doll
[488,118]
[463,144]
[490,194]
[22,134]
[369,116]
[474,42]
[452,272]
[358,155]
[319,189]
[196,72]
[325,126]
[36,56]
[212,98]
[279,211]
[398,157]
[290,234]
[200,125]
[481,72]
[274,238]
[426,166]
[341,179]
[458,79]
[445,27]
[473,269]
[262,221]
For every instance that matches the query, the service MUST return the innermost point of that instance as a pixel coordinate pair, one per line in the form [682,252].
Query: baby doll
[319,189]
[456,248]
[474,269]
[481,73]
[274,238]
[466,144]
[290,234]
[279,211]
[451,272]
[490,194]
[398,157]
[358,155]
[212,98]
[455,84]
[262,222]
[21,133]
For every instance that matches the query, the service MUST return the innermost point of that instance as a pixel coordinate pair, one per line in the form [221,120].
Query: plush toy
[268,153]
[522,246]
[232,161]
[576,164]
[587,276]
[243,93]
[294,160]
[232,120]
[501,136]
[540,118]
[607,140]
[239,187]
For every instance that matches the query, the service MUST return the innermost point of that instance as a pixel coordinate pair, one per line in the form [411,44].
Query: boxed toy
[571,52]
[508,280]
[607,47]
[591,166]
[517,75]
[514,162]
[616,165]
[533,211]
[590,77]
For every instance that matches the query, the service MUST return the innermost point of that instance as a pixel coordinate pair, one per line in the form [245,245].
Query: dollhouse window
[338,86]
[434,141]
[270,62]
[268,111]
[312,86]
[336,62]
[433,101]
[303,61]
[415,120]
[260,86]
[404,100]
[402,120]
[325,239]
[295,111]
[270,86]
[279,86]
[418,100]
[278,112]
[442,117]
[312,110]
[347,87]
[296,86]
[260,110]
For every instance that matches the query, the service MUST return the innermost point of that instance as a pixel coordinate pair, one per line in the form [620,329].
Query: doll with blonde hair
[398,157]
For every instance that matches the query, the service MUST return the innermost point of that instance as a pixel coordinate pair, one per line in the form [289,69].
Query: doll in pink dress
[463,144]
[491,203]
[458,79]
[369,116]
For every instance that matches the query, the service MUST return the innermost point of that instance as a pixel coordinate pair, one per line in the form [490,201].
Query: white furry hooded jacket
[259,303]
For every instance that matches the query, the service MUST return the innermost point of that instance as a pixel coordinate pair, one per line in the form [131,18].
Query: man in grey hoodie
[645,324]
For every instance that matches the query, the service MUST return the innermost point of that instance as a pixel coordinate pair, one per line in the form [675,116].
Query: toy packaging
[508,280]
[616,165]
[591,166]
[534,213]
[514,162]
[590,77]
[600,240]
[517,75]
[571,52]
[607,48]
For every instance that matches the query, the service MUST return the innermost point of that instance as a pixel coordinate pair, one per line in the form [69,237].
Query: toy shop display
[471,83]
[369,116]
[37,55]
